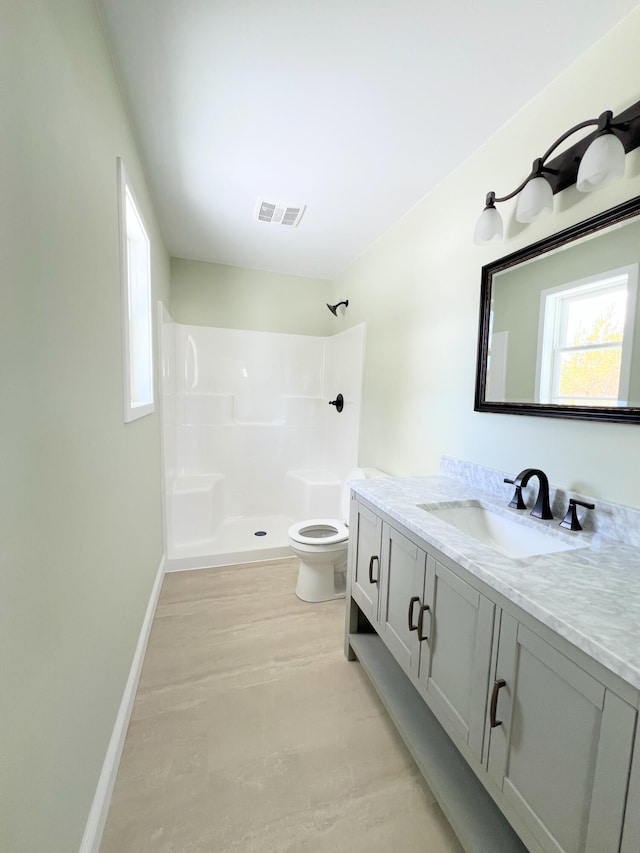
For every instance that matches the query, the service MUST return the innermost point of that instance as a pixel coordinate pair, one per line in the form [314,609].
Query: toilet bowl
[321,547]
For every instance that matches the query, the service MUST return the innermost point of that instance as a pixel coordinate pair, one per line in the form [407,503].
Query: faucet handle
[570,521]
[517,501]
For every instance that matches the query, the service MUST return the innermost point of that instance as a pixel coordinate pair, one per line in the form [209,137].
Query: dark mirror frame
[621,212]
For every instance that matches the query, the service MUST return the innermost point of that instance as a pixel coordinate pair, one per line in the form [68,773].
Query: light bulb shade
[603,162]
[488,227]
[535,200]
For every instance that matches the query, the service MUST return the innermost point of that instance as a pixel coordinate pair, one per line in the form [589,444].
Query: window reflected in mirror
[584,357]
[559,324]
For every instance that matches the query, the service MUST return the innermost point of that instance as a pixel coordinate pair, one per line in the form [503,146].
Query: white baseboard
[102,799]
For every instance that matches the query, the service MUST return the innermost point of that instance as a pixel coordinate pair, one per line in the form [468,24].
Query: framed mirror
[560,324]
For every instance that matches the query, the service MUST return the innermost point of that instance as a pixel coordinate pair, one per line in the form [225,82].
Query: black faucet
[541,508]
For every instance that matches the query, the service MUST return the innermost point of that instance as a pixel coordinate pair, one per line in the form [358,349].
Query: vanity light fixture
[591,163]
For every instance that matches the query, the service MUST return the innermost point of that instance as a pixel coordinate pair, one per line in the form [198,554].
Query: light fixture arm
[594,161]
[562,171]
[536,170]
[539,163]
[605,119]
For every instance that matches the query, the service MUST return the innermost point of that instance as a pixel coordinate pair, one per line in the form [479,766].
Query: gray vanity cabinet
[456,654]
[537,733]
[559,745]
[365,537]
[440,630]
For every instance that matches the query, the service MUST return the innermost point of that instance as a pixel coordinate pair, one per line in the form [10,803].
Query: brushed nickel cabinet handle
[371,578]
[497,686]
[423,610]
[414,599]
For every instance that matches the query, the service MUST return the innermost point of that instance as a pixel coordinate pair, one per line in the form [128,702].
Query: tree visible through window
[585,355]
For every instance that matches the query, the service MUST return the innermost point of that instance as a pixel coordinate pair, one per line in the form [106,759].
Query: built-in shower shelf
[315,477]
[214,409]
[312,493]
[206,394]
[196,407]
[190,483]
[193,501]
[281,396]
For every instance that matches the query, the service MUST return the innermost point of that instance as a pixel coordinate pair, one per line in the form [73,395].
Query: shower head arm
[334,308]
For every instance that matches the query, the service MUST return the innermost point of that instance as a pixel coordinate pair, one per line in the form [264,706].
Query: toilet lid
[319,531]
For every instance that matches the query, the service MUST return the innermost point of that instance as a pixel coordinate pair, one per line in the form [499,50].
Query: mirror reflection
[560,324]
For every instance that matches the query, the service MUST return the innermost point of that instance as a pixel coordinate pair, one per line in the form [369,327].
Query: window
[136,304]
[584,355]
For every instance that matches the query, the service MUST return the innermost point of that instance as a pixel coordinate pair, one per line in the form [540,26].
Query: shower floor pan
[235,542]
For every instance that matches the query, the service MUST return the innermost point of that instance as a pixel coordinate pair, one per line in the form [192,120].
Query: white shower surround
[250,442]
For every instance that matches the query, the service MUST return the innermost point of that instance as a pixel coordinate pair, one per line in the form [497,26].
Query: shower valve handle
[338,403]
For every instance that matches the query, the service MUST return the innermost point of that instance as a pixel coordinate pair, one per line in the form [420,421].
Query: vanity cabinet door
[560,745]
[631,831]
[366,540]
[455,655]
[403,568]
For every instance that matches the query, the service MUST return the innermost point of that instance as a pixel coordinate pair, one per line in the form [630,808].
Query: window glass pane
[597,318]
[137,328]
[590,374]
[139,322]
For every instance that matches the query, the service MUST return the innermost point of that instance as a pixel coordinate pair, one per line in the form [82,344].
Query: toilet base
[321,581]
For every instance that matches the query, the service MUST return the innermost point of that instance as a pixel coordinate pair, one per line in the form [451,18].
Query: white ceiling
[356,108]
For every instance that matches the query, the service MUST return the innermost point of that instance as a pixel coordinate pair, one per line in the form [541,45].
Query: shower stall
[250,443]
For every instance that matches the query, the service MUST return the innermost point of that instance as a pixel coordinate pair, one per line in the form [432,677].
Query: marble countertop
[589,596]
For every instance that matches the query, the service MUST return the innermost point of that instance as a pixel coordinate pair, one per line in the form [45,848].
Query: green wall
[80,503]
[204,294]
[418,289]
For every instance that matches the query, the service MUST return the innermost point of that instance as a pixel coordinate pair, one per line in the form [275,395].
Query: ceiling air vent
[279,213]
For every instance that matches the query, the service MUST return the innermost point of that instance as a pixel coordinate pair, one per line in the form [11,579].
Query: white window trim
[547,334]
[132,409]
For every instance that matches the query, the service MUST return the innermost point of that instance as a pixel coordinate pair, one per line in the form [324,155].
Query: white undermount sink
[505,535]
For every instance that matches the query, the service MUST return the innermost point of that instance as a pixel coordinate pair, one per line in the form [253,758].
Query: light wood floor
[251,733]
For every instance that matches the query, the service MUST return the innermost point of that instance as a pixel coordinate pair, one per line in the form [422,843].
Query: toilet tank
[357,474]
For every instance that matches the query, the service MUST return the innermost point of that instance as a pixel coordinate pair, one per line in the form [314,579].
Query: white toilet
[321,545]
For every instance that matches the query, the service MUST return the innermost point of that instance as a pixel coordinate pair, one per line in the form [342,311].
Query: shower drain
[260,533]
